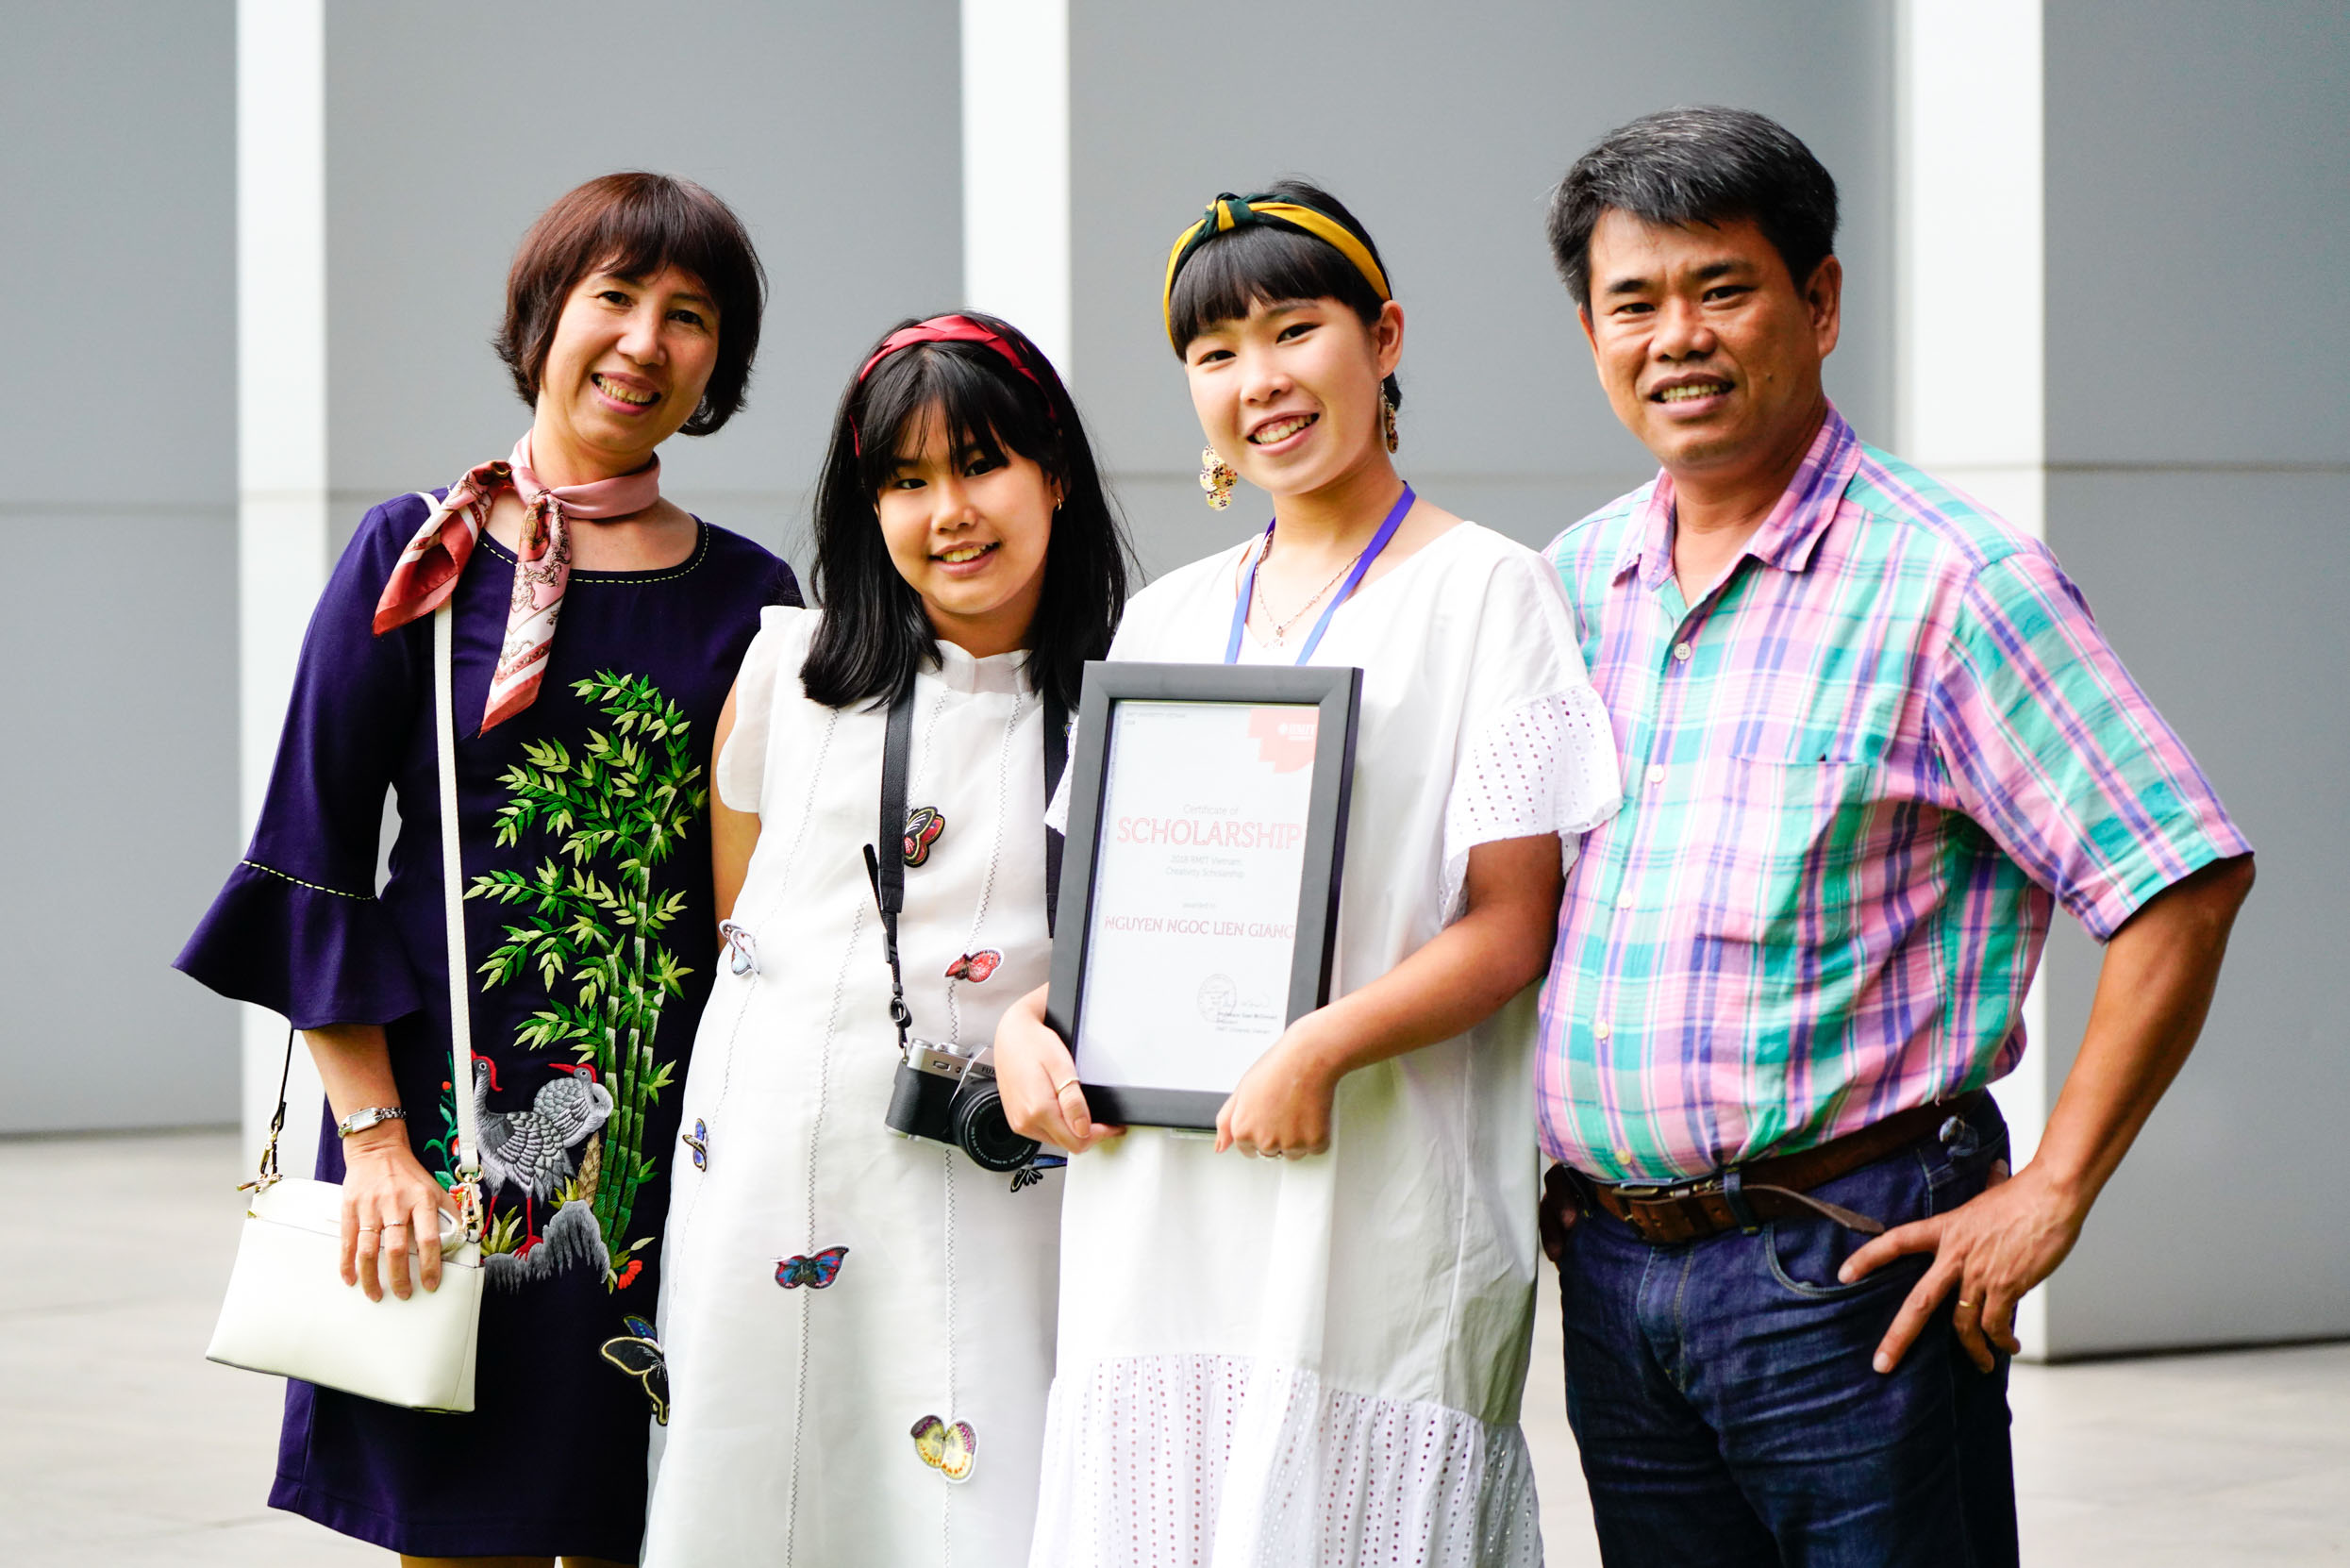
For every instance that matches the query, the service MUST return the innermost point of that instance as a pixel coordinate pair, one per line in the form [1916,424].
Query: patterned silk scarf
[427,569]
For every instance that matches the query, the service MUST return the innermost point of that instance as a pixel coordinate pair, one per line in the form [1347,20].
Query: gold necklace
[1281,628]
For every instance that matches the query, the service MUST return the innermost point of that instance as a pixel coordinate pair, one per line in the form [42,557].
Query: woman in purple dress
[597,628]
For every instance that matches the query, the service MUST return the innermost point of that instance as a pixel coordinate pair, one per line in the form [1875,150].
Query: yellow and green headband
[1228,211]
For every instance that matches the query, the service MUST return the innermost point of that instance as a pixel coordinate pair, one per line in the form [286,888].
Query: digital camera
[950,1098]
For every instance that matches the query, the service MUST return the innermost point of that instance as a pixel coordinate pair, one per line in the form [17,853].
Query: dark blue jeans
[1721,1394]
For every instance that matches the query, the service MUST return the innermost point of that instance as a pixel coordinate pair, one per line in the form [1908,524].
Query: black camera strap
[886,864]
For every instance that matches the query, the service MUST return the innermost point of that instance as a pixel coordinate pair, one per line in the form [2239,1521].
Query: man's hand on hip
[2153,992]
[1991,1250]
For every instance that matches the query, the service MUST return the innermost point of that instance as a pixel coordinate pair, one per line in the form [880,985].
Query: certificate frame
[1336,693]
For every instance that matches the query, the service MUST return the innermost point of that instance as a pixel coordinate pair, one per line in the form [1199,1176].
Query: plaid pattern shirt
[1857,778]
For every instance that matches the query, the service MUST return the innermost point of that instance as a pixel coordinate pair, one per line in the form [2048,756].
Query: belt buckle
[1667,1196]
[1652,1192]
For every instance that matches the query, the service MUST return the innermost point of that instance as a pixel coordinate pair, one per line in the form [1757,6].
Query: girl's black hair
[1258,263]
[875,633]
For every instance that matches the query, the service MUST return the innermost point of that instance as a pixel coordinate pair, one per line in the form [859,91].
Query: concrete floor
[121,1447]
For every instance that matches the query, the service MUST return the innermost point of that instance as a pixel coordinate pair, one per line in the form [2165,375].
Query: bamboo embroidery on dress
[589,923]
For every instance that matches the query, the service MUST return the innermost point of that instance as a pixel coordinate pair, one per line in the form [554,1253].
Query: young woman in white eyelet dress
[883,1404]
[1316,1359]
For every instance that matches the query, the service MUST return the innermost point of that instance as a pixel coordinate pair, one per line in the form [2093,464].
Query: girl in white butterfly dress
[1317,1358]
[858,1326]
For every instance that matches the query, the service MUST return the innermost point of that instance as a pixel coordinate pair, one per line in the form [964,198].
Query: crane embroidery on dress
[588,926]
[531,1151]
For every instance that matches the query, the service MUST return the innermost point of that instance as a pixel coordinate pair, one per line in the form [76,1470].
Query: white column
[1016,167]
[281,443]
[1970,351]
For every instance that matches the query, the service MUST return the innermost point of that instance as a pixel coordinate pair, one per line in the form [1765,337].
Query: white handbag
[287,1312]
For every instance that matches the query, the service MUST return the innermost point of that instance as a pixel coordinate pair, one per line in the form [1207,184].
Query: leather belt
[1743,1197]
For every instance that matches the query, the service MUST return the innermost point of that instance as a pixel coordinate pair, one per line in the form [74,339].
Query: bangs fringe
[982,410]
[1239,270]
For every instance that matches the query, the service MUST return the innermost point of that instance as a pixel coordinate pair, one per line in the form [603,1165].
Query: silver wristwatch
[360,1120]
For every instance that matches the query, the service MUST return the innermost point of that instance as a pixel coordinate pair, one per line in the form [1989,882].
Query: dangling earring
[1216,477]
[1387,416]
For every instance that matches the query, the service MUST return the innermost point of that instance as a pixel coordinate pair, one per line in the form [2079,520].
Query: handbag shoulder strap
[468,1172]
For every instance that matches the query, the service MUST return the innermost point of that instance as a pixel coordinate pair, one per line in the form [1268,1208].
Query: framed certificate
[1199,897]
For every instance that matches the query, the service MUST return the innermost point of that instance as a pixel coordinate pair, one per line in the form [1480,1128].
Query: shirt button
[1624,1156]
[1682,652]
[1601,1029]
[1656,776]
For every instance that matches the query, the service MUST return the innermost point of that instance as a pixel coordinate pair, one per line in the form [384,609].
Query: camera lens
[982,1132]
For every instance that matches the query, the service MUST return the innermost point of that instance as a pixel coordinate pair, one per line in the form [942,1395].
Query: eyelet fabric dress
[1317,1363]
[590,803]
[796,1388]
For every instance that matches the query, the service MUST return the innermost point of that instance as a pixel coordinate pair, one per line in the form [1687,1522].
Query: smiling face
[1708,349]
[970,532]
[1290,394]
[625,368]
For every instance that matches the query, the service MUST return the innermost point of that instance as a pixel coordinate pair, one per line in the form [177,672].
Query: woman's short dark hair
[1258,263]
[634,223]
[1684,166]
[874,634]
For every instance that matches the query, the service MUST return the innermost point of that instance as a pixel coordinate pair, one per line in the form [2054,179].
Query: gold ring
[1965,1302]
[1064,1084]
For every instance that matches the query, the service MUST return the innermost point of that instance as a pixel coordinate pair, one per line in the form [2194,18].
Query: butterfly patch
[949,1450]
[638,1355]
[923,826]
[975,967]
[814,1269]
[698,1141]
[743,947]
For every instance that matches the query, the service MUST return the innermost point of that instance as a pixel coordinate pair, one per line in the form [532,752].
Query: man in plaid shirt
[1870,737]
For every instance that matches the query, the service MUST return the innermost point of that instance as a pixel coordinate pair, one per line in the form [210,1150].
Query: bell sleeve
[298,928]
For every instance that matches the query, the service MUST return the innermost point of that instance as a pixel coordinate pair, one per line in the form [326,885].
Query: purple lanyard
[1354,581]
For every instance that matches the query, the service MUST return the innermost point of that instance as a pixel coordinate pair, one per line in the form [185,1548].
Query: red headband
[945,330]
[948,329]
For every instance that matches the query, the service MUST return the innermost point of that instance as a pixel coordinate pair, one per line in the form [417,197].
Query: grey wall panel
[832,130]
[118,608]
[2198,192]
[118,155]
[2220,591]
[1445,129]
[119,633]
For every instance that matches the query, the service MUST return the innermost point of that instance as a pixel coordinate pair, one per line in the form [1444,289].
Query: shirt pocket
[1779,845]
